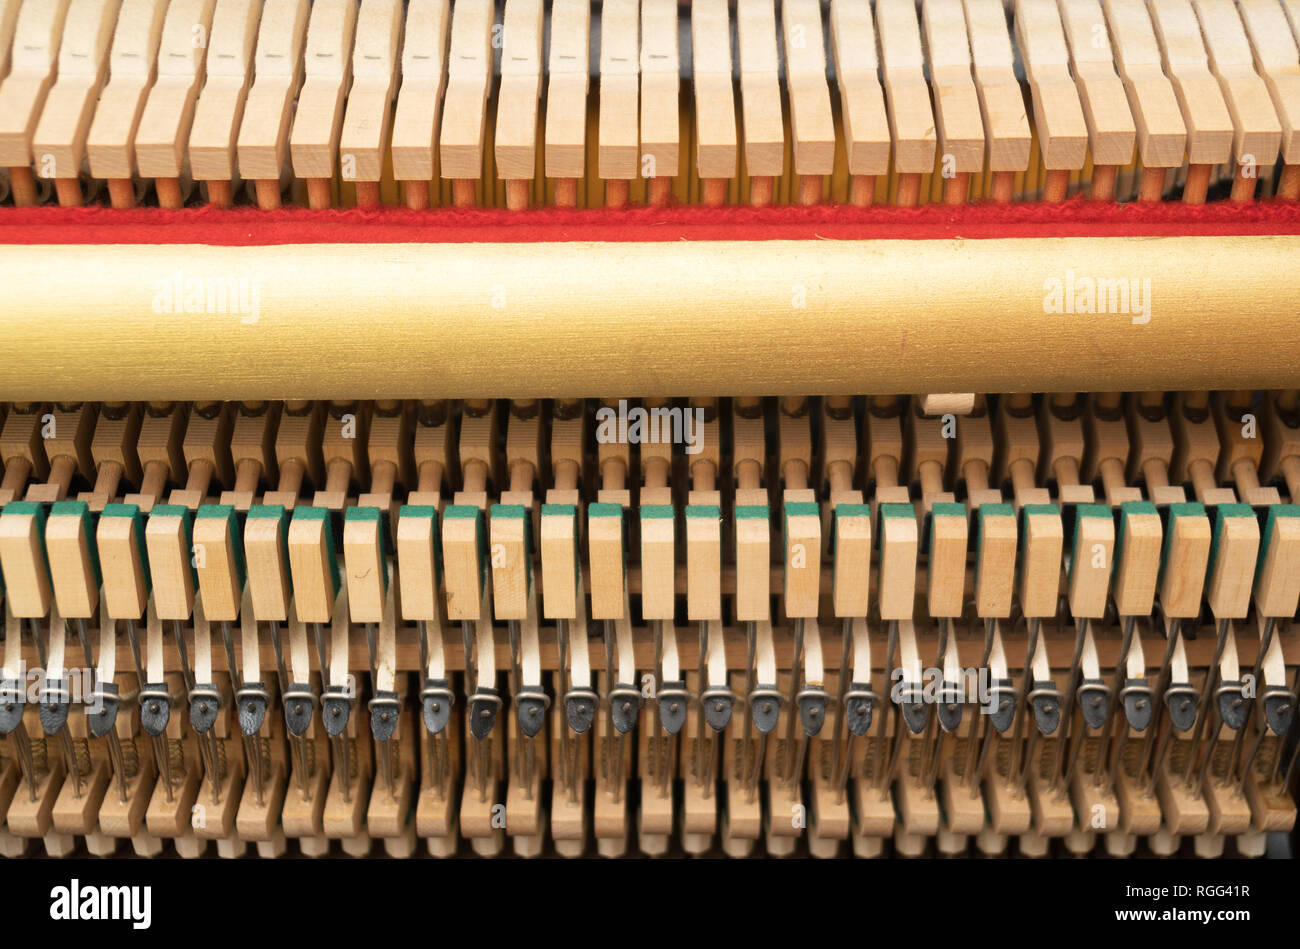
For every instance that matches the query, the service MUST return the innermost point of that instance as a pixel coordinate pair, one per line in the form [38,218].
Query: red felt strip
[295,225]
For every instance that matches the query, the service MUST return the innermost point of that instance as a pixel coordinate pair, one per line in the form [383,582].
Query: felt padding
[247,226]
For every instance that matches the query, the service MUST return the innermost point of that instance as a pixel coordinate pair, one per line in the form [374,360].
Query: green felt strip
[37,513]
[132,511]
[81,511]
[227,511]
[426,512]
[1225,511]
[322,514]
[187,529]
[463,512]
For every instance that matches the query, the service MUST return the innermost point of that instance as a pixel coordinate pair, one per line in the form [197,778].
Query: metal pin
[24,743]
[118,758]
[1020,744]
[1237,766]
[65,738]
[34,627]
[751,647]
[1211,683]
[608,628]
[658,740]
[1277,758]
[1108,729]
[1160,733]
[837,738]
[429,767]
[1243,772]
[482,746]
[701,685]
[1067,726]
[86,652]
[280,669]
[135,651]
[878,776]
[979,727]
[387,768]
[796,665]
[566,733]
[338,743]
[162,756]
[370,652]
[297,743]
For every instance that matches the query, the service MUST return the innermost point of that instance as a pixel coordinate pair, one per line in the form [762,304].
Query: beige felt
[469,75]
[1058,116]
[169,567]
[263,140]
[658,553]
[1277,60]
[1161,132]
[803,545]
[1139,565]
[366,121]
[716,151]
[327,72]
[1277,590]
[8,20]
[76,591]
[1111,130]
[268,568]
[220,109]
[33,65]
[507,541]
[911,119]
[1188,556]
[364,569]
[867,137]
[1040,572]
[618,129]
[218,579]
[121,568]
[59,142]
[169,110]
[1228,586]
[1209,126]
[946,573]
[996,573]
[568,75]
[22,561]
[851,571]
[956,104]
[515,140]
[1002,105]
[1256,130]
[811,124]
[1090,573]
[419,100]
[897,583]
[762,119]
[660,87]
[703,568]
[309,567]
